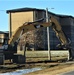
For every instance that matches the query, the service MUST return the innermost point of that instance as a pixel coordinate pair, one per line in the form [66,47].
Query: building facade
[37,39]
[4,36]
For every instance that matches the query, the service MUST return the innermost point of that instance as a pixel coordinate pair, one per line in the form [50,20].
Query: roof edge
[33,9]
[23,9]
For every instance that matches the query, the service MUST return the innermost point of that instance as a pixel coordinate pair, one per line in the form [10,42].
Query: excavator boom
[25,28]
[38,24]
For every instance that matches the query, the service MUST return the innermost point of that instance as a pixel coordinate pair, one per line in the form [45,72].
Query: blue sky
[60,7]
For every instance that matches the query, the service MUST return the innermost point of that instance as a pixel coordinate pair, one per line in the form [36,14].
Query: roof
[2,32]
[24,9]
[64,16]
[35,9]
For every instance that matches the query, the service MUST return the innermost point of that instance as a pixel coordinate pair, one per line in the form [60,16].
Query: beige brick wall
[18,18]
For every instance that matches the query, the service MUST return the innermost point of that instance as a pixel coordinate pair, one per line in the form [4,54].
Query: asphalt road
[68,73]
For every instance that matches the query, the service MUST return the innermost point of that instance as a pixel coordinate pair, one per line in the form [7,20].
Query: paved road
[68,73]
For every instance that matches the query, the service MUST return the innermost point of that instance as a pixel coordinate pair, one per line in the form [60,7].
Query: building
[3,36]
[38,38]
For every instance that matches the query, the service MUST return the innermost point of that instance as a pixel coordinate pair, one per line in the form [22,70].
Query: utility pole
[48,39]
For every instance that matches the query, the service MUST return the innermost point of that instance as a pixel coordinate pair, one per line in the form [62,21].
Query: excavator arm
[28,26]
[59,33]
[38,24]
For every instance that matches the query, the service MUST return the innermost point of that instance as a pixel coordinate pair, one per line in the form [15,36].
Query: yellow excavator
[53,22]
[11,47]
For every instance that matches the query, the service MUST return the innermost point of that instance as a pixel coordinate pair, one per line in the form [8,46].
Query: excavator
[11,46]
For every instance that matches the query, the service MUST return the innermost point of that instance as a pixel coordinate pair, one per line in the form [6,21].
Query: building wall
[72,36]
[1,35]
[3,38]
[68,28]
[66,23]
[19,18]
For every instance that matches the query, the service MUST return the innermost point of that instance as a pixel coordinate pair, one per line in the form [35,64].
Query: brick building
[37,39]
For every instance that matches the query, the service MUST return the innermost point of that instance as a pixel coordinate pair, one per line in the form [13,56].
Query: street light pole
[48,39]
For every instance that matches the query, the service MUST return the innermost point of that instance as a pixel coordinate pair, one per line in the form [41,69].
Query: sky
[64,7]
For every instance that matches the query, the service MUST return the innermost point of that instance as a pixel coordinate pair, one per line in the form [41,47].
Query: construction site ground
[48,67]
[55,69]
